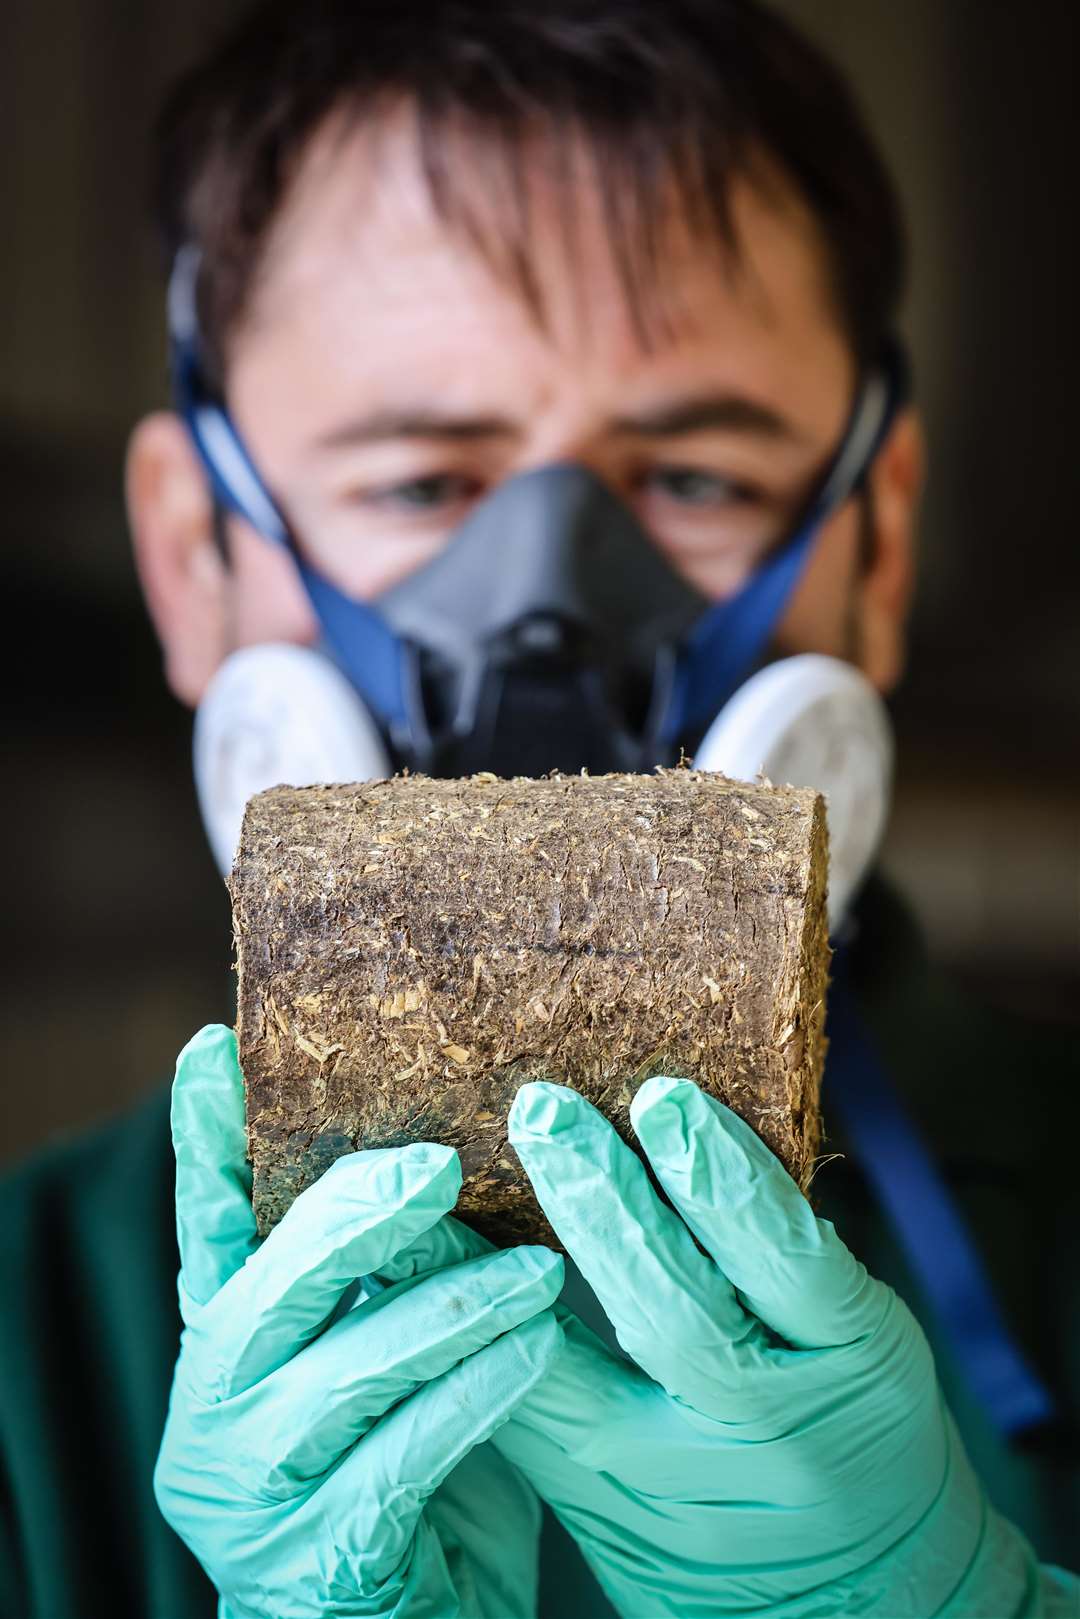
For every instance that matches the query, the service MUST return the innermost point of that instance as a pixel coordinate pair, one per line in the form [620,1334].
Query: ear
[183,577]
[888,577]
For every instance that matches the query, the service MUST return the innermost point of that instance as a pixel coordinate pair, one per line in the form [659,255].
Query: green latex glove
[777,1444]
[323,1456]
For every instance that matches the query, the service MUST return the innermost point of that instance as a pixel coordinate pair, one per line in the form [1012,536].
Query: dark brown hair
[660,93]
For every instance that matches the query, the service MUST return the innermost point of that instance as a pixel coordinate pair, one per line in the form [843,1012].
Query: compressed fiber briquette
[411,951]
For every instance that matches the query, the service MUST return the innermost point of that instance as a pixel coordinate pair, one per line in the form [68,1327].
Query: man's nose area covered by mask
[544,631]
[551,633]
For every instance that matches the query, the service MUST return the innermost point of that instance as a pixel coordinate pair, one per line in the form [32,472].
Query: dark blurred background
[118,942]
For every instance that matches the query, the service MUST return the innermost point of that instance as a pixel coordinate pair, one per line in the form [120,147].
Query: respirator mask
[549,633]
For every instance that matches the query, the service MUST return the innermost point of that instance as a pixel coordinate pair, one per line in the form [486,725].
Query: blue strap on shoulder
[926,1220]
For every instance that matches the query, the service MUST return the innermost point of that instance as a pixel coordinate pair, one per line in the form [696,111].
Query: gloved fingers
[367,1207]
[214,1222]
[376,1496]
[613,1473]
[589,1398]
[447,1242]
[504,1586]
[672,1310]
[789,1267]
[298,1422]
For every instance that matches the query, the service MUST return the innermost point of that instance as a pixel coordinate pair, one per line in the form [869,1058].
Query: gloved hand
[777,1443]
[307,1432]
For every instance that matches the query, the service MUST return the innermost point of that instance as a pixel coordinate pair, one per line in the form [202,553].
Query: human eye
[434,494]
[696,488]
[713,525]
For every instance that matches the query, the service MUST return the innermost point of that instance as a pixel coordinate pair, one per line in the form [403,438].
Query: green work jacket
[89,1326]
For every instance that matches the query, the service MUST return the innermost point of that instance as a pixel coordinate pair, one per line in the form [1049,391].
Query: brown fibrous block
[411,951]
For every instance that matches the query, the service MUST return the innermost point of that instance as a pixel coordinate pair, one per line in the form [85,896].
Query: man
[432,261]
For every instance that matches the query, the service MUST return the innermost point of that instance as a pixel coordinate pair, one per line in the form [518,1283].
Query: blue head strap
[723,647]
[731,638]
[358,638]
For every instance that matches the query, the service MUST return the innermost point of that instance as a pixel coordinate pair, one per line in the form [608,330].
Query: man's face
[386,376]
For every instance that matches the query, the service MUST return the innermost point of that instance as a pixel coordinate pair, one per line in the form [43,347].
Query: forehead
[363,283]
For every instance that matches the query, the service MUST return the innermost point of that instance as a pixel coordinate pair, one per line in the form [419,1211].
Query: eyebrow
[727,412]
[383,425]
